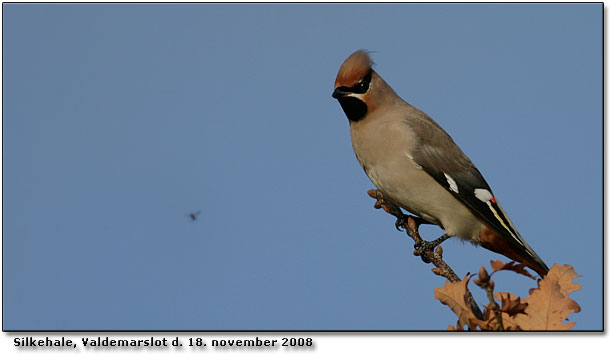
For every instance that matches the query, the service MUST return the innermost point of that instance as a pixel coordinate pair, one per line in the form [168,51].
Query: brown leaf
[549,304]
[514,266]
[491,323]
[456,328]
[496,265]
[487,314]
[511,303]
[509,323]
[454,296]
[564,274]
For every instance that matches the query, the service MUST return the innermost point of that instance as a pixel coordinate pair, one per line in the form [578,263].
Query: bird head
[358,88]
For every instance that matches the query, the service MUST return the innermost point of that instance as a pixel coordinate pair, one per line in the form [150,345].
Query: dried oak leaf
[454,296]
[511,306]
[514,266]
[511,303]
[489,322]
[549,304]
[456,328]
[564,274]
[509,323]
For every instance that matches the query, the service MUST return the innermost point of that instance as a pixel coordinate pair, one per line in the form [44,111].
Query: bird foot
[422,246]
[402,219]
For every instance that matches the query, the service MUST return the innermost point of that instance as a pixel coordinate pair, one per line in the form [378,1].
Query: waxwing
[417,166]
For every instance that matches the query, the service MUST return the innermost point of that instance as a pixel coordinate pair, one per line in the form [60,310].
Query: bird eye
[363,85]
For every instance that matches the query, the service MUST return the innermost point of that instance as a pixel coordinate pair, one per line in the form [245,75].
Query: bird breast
[383,148]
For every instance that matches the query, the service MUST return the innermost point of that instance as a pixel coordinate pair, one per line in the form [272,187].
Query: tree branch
[428,254]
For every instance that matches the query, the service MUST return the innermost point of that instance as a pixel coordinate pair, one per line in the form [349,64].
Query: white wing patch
[486,197]
[452,185]
[483,195]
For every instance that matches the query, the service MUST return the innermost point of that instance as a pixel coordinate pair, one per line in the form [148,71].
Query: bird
[418,167]
[194,215]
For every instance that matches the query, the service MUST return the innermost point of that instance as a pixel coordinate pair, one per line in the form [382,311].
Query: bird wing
[441,158]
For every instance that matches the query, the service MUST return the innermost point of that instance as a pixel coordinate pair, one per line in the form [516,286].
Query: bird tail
[494,241]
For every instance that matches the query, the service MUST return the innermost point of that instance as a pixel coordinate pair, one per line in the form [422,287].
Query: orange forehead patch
[354,68]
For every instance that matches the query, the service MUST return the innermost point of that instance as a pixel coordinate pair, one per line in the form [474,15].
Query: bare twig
[428,254]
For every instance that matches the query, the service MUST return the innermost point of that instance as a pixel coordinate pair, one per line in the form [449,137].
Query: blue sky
[119,120]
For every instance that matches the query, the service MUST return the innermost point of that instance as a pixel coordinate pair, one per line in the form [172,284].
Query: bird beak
[338,93]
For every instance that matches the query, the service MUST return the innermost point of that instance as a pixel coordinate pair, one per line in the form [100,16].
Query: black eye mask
[361,87]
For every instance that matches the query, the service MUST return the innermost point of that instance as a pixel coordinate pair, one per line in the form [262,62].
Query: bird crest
[354,68]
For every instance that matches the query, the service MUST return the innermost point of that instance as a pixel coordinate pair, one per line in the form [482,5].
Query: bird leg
[392,209]
[427,250]
[402,222]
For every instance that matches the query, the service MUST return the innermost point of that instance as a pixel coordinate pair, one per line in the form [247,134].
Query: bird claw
[422,246]
[420,250]
[430,245]
[400,223]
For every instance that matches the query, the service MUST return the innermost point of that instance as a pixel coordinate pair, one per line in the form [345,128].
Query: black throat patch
[353,107]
